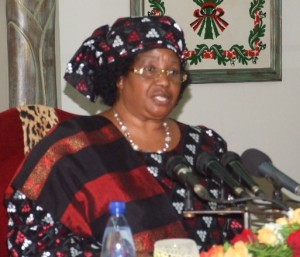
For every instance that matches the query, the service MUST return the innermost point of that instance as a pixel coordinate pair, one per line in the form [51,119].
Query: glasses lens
[153,72]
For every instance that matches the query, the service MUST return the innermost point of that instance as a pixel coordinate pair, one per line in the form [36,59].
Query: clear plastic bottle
[117,239]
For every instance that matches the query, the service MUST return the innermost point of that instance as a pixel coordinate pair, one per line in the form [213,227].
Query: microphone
[233,163]
[261,165]
[178,168]
[208,164]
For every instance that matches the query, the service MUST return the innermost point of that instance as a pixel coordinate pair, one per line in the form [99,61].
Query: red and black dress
[58,201]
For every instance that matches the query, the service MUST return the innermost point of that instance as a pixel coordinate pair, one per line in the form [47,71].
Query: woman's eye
[150,69]
[173,72]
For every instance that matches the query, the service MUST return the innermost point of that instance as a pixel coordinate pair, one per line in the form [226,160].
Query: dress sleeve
[33,232]
[212,141]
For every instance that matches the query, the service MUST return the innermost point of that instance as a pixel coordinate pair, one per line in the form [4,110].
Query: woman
[58,202]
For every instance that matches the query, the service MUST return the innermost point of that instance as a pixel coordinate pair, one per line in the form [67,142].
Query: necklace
[135,147]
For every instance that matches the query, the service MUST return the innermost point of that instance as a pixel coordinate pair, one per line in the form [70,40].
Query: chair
[21,128]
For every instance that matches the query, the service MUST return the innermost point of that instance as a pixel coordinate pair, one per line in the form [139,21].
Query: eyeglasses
[151,72]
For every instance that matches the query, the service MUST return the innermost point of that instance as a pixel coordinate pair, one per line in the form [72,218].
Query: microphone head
[229,157]
[174,163]
[252,159]
[203,159]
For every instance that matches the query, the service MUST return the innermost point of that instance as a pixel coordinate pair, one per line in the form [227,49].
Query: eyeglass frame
[159,72]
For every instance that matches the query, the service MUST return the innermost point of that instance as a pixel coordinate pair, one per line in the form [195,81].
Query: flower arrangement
[280,238]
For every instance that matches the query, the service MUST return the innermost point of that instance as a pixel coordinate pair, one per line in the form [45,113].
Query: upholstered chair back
[21,128]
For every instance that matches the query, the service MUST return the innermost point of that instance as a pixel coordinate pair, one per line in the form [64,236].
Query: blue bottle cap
[117,207]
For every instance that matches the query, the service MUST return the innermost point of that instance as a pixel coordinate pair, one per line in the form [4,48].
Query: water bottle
[117,239]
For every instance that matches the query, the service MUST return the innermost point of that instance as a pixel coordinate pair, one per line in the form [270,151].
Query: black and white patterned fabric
[33,230]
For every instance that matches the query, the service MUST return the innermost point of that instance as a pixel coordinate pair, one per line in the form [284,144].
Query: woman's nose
[163,78]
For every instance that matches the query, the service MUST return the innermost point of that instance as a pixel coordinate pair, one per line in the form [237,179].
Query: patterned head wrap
[127,37]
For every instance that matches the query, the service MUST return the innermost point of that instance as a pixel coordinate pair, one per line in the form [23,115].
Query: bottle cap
[117,207]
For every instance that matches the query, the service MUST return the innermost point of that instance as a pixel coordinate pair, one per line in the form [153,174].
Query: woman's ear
[120,83]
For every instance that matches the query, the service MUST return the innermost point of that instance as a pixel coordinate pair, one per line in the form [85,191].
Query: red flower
[294,242]
[247,236]
[208,54]
[214,251]
[296,254]
[188,54]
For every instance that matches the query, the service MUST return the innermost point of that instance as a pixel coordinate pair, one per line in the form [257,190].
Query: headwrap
[127,37]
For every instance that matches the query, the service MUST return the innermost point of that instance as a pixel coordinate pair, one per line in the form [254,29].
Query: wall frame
[258,58]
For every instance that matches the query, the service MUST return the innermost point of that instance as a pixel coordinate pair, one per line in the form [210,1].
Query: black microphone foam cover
[229,157]
[252,159]
[203,160]
[173,163]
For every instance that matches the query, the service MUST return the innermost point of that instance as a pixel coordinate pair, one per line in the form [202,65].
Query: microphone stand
[246,212]
[243,209]
[222,212]
[277,193]
[188,200]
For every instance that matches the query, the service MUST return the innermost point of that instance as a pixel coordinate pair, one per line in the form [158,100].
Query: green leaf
[199,2]
[288,229]
[222,60]
[196,58]
[256,34]
[255,6]
[240,54]
[158,6]
[260,250]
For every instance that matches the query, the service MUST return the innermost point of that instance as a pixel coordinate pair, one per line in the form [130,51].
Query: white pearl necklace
[135,147]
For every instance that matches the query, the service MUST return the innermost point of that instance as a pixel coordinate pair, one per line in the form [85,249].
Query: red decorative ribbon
[257,18]
[216,15]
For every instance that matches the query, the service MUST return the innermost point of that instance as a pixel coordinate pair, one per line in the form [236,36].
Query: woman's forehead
[158,54]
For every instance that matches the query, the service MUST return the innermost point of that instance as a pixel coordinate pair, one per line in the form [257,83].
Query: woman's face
[149,96]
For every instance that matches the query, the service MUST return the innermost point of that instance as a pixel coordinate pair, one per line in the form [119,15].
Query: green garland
[236,53]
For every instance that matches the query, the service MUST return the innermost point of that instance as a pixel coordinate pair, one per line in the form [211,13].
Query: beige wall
[261,115]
